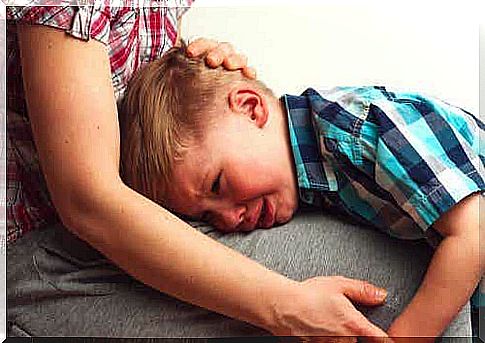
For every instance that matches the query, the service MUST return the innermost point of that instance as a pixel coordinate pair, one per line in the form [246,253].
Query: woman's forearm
[69,92]
[165,253]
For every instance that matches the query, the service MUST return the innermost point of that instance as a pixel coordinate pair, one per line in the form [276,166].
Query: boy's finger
[200,46]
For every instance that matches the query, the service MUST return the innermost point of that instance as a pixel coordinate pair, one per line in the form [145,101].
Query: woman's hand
[321,306]
[220,54]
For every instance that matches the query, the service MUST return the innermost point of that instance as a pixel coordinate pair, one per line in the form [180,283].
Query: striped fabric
[393,160]
[134,35]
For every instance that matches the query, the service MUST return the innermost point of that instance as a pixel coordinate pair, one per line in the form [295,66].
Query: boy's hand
[220,54]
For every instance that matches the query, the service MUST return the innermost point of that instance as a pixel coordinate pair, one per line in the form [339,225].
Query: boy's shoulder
[342,100]
[357,101]
[347,94]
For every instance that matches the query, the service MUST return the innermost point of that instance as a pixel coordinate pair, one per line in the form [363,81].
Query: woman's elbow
[82,210]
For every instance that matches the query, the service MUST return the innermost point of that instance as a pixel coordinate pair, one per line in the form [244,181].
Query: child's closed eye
[216,185]
[205,217]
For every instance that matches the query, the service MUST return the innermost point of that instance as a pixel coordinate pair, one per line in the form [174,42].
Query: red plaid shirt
[133,35]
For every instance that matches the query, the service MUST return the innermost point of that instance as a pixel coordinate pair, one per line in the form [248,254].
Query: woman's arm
[453,274]
[74,120]
[73,116]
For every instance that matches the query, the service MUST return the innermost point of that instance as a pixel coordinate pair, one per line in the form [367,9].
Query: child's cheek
[247,187]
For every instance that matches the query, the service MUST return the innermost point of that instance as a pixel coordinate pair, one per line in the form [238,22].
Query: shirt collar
[306,152]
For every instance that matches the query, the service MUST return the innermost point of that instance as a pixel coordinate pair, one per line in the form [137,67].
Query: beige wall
[432,49]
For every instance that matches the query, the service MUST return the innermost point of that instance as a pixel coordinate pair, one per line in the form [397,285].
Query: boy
[215,146]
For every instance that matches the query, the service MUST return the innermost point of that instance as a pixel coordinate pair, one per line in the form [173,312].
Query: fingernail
[250,72]
[381,293]
[212,60]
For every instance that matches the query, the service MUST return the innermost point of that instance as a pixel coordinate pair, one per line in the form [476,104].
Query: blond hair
[165,108]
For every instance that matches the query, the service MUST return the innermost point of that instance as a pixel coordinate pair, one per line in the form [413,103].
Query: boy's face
[241,176]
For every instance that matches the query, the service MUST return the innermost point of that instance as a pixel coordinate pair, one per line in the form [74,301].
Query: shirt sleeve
[83,22]
[427,154]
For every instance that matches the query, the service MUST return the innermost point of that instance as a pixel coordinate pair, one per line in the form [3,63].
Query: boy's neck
[280,115]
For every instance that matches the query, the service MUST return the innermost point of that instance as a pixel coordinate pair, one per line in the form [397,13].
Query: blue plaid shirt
[396,161]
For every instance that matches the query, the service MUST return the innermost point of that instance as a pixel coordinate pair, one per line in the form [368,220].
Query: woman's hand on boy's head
[218,54]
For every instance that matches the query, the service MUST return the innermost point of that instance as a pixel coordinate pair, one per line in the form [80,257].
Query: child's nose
[232,217]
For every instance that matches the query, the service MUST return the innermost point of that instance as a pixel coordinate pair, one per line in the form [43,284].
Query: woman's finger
[330,339]
[239,62]
[378,340]
[249,72]
[362,291]
[200,46]
[218,54]
[364,328]
[235,61]
[340,340]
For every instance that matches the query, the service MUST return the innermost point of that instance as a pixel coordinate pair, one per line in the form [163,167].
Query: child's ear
[250,103]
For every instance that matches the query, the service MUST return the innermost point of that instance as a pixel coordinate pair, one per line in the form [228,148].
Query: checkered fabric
[393,160]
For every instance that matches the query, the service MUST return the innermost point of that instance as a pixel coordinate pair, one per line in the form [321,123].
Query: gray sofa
[58,286]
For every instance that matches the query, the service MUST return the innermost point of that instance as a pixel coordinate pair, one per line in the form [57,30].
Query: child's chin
[284,220]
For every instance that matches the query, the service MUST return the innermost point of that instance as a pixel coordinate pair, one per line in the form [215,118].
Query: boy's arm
[452,276]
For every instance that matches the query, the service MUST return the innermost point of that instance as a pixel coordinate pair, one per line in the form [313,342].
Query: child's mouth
[262,214]
[265,216]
